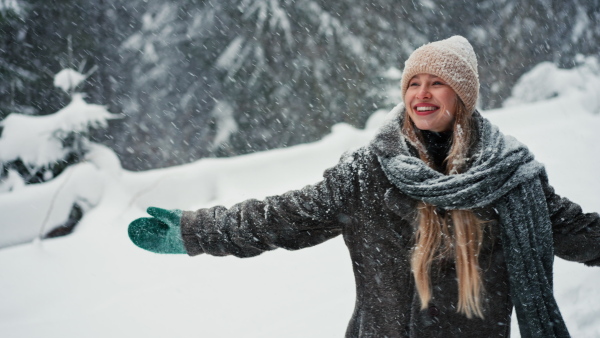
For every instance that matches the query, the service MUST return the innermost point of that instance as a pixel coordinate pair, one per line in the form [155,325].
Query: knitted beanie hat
[453,60]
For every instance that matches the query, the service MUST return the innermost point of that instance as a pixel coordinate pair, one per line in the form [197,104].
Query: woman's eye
[438,83]
[413,84]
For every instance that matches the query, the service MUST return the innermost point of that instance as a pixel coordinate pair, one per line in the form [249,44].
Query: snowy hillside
[96,283]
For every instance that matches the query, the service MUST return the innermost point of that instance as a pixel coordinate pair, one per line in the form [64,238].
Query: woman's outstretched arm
[294,220]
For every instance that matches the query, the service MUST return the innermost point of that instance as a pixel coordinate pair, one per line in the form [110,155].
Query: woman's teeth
[426,108]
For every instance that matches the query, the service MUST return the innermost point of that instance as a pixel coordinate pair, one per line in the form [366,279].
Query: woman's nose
[423,93]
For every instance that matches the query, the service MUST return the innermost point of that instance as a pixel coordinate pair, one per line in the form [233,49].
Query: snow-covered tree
[38,148]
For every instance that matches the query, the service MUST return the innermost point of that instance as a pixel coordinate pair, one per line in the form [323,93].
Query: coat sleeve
[576,234]
[294,220]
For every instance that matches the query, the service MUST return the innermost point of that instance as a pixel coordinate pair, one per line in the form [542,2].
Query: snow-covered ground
[96,283]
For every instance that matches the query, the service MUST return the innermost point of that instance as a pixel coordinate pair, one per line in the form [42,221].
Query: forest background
[194,78]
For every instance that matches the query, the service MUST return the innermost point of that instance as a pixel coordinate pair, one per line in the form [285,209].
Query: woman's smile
[425,108]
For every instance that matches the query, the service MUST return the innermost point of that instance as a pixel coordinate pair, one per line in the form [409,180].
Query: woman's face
[430,103]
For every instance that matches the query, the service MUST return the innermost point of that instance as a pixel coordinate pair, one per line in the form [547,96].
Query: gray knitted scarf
[502,174]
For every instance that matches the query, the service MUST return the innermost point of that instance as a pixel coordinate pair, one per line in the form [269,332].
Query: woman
[448,222]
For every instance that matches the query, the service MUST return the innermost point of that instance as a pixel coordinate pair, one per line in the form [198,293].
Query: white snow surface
[96,283]
[546,81]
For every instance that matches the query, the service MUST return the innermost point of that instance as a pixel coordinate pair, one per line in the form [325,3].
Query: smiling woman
[449,223]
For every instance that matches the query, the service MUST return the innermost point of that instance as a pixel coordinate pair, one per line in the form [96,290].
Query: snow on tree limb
[37,140]
[68,79]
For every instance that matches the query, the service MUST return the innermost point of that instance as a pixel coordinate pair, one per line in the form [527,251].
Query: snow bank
[34,210]
[546,81]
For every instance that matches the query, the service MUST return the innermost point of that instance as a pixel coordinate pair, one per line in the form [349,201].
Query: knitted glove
[159,234]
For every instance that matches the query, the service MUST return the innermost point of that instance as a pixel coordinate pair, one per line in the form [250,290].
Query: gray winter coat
[355,199]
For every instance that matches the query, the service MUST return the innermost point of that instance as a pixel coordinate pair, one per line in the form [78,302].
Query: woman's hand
[160,233]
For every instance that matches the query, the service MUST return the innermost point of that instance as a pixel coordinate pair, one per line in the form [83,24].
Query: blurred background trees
[196,78]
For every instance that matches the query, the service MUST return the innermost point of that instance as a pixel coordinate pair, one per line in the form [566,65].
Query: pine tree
[38,148]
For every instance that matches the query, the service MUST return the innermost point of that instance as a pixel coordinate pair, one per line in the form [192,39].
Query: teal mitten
[160,234]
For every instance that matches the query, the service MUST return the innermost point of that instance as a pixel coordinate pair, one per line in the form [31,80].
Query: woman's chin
[431,123]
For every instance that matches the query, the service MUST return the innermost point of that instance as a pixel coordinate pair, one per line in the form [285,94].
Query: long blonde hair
[435,238]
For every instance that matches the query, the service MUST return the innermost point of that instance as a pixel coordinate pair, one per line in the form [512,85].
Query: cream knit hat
[453,60]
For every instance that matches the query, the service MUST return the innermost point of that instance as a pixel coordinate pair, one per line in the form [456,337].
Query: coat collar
[389,141]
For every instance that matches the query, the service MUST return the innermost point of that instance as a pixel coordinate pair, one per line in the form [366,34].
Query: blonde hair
[435,239]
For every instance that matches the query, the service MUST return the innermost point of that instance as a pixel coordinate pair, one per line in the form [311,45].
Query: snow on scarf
[502,174]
